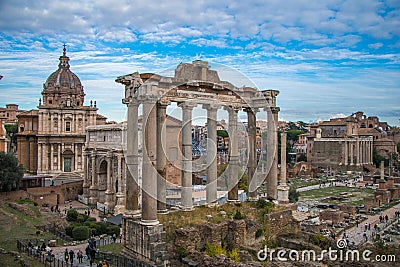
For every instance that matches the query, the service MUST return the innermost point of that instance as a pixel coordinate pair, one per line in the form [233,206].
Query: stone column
[119,207]
[86,183]
[357,152]
[346,152]
[59,157]
[371,151]
[283,189]
[109,192]
[40,157]
[161,156]
[132,161]
[76,157]
[351,153]
[149,173]
[233,179]
[93,188]
[186,192]
[51,157]
[272,178]
[211,187]
[252,182]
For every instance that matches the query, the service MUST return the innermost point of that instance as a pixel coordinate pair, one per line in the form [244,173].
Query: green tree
[11,132]
[80,233]
[72,215]
[11,172]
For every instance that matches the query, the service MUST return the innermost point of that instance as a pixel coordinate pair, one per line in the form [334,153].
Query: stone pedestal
[120,206]
[145,242]
[283,194]
[110,200]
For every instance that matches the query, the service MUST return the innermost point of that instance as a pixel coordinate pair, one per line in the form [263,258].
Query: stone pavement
[356,233]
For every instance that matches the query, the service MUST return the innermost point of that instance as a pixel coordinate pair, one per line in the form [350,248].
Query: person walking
[66,255]
[71,256]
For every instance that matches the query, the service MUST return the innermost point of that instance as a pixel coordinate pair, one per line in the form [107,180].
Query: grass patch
[200,215]
[355,196]
[115,248]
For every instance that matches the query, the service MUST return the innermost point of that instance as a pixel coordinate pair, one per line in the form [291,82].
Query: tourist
[66,255]
[100,264]
[357,223]
[71,256]
[105,264]
[114,237]
[80,256]
[87,250]
[386,218]
[365,236]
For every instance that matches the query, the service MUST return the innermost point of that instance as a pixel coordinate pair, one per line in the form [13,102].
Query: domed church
[63,118]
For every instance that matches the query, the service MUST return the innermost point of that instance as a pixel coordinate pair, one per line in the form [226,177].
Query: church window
[68,126]
[50,102]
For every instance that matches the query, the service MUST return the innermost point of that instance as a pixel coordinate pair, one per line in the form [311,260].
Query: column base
[163,211]
[134,214]
[182,208]
[149,222]
[145,242]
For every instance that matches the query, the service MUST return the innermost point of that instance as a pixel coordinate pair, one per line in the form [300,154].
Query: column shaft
[149,173]
[161,157]
[186,192]
[272,178]
[233,179]
[252,183]
[132,170]
[283,158]
[346,153]
[351,153]
[211,187]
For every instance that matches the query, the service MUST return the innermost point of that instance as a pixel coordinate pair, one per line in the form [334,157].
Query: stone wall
[46,195]
[333,215]
[347,208]
[231,233]
[280,218]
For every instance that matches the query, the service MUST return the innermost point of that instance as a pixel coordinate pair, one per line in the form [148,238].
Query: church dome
[63,87]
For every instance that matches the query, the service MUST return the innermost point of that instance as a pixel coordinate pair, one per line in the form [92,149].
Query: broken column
[283,188]
[233,179]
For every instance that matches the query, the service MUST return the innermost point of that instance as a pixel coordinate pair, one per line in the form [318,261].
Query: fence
[112,260]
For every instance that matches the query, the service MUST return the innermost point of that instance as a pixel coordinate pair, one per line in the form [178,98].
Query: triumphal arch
[193,84]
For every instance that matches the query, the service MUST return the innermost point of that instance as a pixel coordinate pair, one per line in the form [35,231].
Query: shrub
[234,255]
[214,250]
[80,233]
[259,233]
[238,215]
[82,218]
[72,215]
[68,230]
[113,229]
[181,252]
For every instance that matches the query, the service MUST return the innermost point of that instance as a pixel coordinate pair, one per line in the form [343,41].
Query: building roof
[32,112]
[367,131]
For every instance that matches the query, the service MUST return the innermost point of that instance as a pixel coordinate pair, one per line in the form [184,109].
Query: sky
[327,58]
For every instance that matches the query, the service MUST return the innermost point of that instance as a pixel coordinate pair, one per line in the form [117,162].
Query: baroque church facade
[62,121]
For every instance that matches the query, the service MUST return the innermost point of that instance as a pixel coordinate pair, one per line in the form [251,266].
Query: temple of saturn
[193,84]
